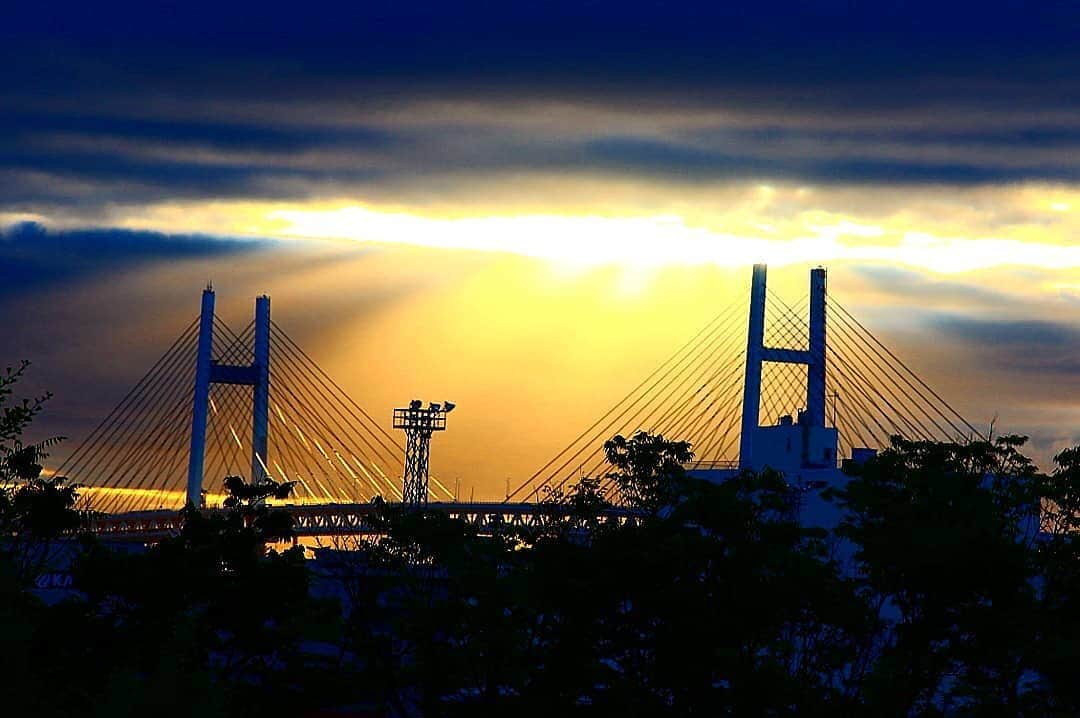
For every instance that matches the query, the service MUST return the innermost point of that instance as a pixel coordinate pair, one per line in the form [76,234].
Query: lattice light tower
[419,422]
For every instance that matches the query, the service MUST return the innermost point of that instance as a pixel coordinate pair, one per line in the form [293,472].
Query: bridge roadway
[347,519]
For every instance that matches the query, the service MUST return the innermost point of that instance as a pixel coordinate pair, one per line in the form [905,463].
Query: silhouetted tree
[950,586]
[230,612]
[943,537]
[242,493]
[1057,649]
[721,604]
[647,468]
[247,501]
[34,511]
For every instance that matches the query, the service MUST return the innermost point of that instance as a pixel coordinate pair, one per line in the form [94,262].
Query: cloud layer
[134,104]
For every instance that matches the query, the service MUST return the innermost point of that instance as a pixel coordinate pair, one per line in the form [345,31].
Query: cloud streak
[134,105]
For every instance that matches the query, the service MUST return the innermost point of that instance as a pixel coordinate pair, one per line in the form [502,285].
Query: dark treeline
[950,586]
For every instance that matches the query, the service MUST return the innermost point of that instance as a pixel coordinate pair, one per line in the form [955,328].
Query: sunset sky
[524,207]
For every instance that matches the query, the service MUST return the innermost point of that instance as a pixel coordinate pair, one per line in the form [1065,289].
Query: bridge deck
[347,519]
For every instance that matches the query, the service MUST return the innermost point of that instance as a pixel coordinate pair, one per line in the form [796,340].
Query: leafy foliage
[246,503]
[242,493]
[943,546]
[647,468]
[34,511]
[950,586]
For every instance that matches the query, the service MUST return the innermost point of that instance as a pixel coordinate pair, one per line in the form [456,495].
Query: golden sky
[536,323]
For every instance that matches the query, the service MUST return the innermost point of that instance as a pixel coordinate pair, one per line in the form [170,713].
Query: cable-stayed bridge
[139,457]
[699,393]
[761,376]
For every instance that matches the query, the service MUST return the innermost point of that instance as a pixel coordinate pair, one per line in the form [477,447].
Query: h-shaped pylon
[208,371]
[814,357]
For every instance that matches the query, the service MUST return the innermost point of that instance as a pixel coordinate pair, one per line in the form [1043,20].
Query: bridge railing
[711,465]
[352,519]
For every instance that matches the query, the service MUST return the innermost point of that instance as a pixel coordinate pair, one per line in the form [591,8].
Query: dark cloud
[185,133]
[1045,348]
[126,178]
[32,257]
[174,160]
[1024,333]
[616,40]
[188,100]
[205,180]
[674,161]
[880,139]
[909,285]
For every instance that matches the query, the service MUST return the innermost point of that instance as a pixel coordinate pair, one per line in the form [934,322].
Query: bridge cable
[712,360]
[719,393]
[319,395]
[133,421]
[705,359]
[880,360]
[325,379]
[903,422]
[130,394]
[93,446]
[385,453]
[664,366]
[722,400]
[351,449]
[302,407]
[168,433]
[912,425]
[231,416]
[659,375]
[912,374]
[714,363]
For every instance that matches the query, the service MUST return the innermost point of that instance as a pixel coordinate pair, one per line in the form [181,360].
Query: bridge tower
[208,371]
[817,442]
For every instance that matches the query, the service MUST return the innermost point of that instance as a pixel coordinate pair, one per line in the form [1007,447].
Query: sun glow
[980,229]
[668,239]
[585,240]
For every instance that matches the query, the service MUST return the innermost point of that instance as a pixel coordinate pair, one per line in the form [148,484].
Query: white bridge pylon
[814,357]
[208,371]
